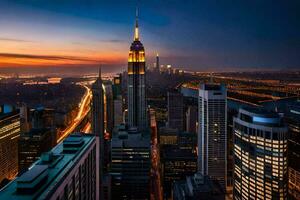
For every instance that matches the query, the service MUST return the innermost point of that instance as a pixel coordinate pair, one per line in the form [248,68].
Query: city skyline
[164,125]
[193,35]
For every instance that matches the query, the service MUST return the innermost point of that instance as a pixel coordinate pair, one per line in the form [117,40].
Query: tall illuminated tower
[260,155]
[98,129]
[212,132]
[136,82]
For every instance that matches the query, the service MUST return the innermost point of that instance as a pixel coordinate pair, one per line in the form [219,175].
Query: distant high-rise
[212,132]
[191,119]
[292,119]
[260,155]
[68,171]
[9,136]
[157,64]
[137,116]
[175,110]
[108,107]
[32,144]
[98,127]
[118,104]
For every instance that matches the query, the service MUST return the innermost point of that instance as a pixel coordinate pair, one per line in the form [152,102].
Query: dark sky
[193,34]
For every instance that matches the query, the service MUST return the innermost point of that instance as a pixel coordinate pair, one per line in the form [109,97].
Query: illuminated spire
[136,29]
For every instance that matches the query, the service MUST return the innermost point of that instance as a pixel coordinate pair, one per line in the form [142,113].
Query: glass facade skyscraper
[212,132]
[260,155]
[9,137]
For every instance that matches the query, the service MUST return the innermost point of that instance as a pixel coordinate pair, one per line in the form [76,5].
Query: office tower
[98,128]
[42,119]
[260,155]
[31,146]
[24,118]
[167,136]
[9,136]
[130,164]
[212,132]
[233,107]
[175,110]
[177,163]
[292,119]
[118,104]
[178,156]
[157,64]
[137,116]
[68,171]
[197,187]
[191,119]
[108,107]
[118,111]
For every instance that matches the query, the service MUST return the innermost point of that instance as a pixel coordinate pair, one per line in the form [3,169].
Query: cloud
[13,40]
[116,41]
[45,57]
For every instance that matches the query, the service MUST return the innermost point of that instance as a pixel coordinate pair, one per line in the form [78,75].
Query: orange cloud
[16,59]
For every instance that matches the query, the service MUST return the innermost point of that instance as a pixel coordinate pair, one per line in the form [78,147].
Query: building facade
[9,136]
[260,155]
[68,171]
[137,116]
[98,127]
[197,187]
[191,119]
[31,146]
[212,133]
[175,110]
[130,164]
[292,119]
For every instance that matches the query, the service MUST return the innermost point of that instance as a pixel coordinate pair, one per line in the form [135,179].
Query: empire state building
[136,83]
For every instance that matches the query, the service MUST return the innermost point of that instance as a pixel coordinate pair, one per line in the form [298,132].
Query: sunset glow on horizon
[191,35]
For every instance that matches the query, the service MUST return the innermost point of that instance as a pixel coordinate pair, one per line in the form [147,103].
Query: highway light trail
[84,108]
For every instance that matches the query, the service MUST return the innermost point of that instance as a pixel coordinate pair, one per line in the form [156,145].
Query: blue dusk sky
[191,34]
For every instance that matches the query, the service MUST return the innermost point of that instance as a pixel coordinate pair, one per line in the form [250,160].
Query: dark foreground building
[68,171]
[130,164]
[197,187]
[31,145]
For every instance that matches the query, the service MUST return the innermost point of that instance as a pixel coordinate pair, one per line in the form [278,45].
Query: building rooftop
[124,137]
[260,116]
[198,187]
[49,171]
[212,86]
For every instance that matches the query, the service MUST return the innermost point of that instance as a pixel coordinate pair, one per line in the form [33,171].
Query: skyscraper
[32,144]
[66,172]
[108,107]
[137,116]
[157,64]
[9,136]
[175,110]
[191,119]
[118,104]
[212,132]
[292,119]
[130,164]
[98,127]
[260,155]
